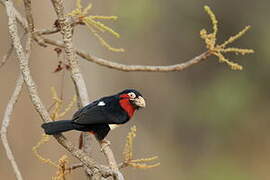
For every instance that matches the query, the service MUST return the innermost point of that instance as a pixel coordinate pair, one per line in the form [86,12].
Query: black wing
[110,113]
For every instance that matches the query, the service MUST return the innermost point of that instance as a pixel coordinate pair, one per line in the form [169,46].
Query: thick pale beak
[139,102]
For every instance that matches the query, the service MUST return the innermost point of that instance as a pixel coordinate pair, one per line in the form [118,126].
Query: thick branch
[124,67]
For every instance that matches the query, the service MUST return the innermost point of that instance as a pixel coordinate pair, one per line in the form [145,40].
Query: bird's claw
[104,143]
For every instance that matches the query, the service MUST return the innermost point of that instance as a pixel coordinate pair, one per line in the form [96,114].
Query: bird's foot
[104,143]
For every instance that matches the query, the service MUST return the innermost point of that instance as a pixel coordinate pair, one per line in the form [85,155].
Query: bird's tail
[56,127]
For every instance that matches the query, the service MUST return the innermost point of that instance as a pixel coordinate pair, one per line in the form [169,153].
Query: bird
[100,116]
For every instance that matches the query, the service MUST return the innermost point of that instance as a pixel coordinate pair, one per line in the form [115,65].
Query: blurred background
[207,122]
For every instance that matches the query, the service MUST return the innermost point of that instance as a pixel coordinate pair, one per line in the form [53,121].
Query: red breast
[126,105]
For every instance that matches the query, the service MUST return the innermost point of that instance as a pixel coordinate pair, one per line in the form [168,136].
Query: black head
[134,96]
[126,91]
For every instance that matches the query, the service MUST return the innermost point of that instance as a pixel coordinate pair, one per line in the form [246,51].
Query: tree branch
[124,67]
[5,124]
[18,17]
[6,56]
[29,16]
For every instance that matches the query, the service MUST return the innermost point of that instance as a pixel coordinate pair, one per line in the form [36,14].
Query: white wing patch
[113,126]
[101,103]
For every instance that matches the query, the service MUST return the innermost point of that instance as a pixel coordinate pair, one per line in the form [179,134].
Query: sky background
[205,123]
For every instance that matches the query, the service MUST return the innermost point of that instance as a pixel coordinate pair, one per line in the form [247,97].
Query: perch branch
[124,67]
[40,108]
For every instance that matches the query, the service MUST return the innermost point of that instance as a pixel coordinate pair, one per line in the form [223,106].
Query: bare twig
[6,56]
[8,112]
[5,124]
[75,166]
[55,29]
[18,17]
[48,31]
[29,16]
[124,67]
[146,68]
[40,108]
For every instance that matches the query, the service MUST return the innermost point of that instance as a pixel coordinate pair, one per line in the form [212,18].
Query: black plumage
[96,116]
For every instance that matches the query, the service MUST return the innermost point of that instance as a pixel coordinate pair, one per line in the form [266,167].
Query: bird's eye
[132,95]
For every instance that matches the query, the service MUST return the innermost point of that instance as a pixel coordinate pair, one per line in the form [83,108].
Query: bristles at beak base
[139,102]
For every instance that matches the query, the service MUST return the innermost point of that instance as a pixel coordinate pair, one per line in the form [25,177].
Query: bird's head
[133,97]
[131,100]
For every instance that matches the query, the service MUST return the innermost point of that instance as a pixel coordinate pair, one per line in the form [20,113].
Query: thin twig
[18,17]
[6,56]
[9,111]
[29,16]
[124,67]
[48,31]
[5,124]
[54,30]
